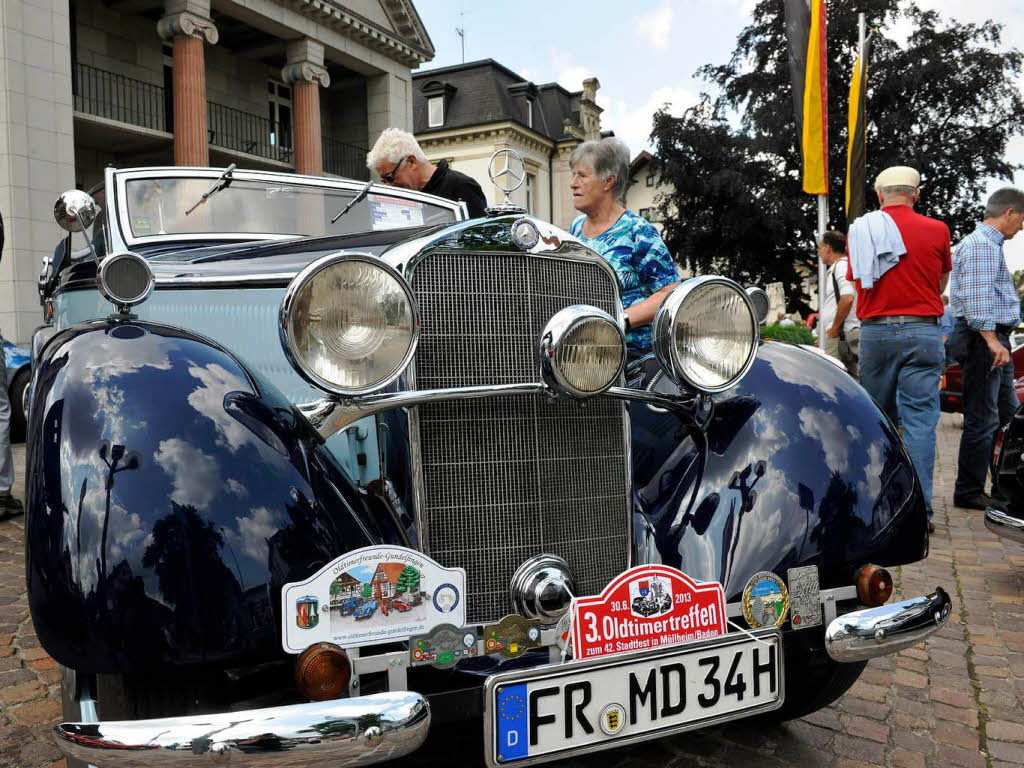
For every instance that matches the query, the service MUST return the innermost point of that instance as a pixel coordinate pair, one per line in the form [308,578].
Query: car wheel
[18,415]
[816,685]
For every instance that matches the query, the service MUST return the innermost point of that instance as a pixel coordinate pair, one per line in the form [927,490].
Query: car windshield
[156,206]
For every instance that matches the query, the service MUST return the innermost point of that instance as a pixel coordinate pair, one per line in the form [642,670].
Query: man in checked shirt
[984,302]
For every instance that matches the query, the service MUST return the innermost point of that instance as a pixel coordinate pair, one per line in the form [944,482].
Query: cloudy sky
[644,52]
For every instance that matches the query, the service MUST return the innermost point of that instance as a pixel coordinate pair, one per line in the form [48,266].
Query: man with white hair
[983,299]
[901,351]
[399,161]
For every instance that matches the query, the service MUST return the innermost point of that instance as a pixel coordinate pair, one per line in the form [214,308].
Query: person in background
[905,259]
[946,329]
[838,311]
[984,301]
[397,158]
[8,504]
[629,243]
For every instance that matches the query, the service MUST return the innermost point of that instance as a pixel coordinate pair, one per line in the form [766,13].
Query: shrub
[795,334]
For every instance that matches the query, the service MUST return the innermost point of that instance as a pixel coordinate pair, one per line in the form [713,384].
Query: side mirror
[75,210]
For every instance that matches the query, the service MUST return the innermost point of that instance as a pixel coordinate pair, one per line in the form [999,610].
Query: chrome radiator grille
[507,478]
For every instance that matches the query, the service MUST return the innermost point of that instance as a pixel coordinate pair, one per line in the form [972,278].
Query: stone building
[291,85]
[643,196]
[464,113]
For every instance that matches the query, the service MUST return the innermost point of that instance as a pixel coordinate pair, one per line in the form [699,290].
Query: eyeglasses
[389,177]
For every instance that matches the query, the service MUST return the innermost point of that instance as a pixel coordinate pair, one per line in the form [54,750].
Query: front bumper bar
[326,734]
[887,629]
[1004,524]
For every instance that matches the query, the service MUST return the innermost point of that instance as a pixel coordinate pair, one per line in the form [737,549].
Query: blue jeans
[900,366]
[989,401]
[6,456]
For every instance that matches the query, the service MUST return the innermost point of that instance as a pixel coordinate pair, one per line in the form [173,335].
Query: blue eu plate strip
[512,721]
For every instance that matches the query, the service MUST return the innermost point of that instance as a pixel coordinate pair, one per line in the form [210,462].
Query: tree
[368,590]
[946,103]
[408,581]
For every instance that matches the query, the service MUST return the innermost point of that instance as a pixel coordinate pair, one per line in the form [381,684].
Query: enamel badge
[765,600]
[512,636]
[443,647]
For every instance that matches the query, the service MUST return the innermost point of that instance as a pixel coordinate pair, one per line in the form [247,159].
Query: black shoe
[10,506]
[931,527]
[978,501]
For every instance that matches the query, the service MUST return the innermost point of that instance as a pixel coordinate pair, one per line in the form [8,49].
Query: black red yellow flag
[805,31]
[857,140]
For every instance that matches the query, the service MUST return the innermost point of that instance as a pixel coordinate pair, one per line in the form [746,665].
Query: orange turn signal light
[874,585]
[323,672]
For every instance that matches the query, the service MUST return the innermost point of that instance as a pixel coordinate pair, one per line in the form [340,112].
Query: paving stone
[904,758]
[36,712]
[956,714]
[15,694]
[950,755]
[868,729]
[999,750]
[956,734]
[1001,730]
[861,749]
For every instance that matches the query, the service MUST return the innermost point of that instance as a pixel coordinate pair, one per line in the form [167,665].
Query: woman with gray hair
[633,247]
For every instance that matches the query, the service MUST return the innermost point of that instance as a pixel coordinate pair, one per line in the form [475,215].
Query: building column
[188,25]
[388,104]
[306,74]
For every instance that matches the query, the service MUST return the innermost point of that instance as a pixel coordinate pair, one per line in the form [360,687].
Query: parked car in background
[17,361]
[951,386]
[270,385]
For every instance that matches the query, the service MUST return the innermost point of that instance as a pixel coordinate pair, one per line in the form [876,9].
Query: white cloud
[253,532]
[632,122]
[195,474]
[655,26]
[825,427]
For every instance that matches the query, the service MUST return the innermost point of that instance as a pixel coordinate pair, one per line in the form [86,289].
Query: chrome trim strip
[206,281]
[317,735]
[773,635]
[1004,524]
[887,629]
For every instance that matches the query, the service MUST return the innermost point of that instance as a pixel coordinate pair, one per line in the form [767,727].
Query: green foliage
[367,590]
[408,581]
[946,103]
[796,334]
[335,588]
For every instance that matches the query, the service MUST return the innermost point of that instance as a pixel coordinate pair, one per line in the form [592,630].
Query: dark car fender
[797,466]
[170,495]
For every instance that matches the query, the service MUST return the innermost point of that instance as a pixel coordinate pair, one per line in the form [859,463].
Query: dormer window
[435,111]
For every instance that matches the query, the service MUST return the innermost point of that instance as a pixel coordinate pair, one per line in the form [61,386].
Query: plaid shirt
[981,290]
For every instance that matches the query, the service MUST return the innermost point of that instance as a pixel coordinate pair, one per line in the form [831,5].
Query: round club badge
[613,719]
[765,600]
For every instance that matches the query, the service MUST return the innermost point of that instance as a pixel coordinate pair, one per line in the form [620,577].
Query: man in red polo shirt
[901,350]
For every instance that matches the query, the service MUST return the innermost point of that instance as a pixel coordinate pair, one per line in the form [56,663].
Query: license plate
[536,715]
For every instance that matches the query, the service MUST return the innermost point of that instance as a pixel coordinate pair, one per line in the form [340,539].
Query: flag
[805,31]
[857,142]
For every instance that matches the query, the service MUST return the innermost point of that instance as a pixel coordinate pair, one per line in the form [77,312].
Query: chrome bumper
[887,629]
[343,732]
[1004,524]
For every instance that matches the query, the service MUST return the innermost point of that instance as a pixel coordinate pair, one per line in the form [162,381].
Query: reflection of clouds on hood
[766,427]
[253,532]
[208,399]
[872,484]
[825,427]
[808,372]
[195,475]
[236,488]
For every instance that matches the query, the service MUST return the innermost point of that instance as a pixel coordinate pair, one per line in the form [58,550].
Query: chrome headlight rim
[286,325]
[103,285]
[664,323]
[758,294]
[557,329]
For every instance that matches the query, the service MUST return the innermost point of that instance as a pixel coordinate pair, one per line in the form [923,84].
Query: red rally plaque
[648,606]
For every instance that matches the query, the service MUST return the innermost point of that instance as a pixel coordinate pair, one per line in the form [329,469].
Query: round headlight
[349,324]
[125,279]
[705,334]
[582,351]
[760,302]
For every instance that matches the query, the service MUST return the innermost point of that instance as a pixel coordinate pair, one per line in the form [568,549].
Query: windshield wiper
[223,182]
[353,201]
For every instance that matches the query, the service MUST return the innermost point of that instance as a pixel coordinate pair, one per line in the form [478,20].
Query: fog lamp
[322,672]
[582,351]
[543,588]
[705,334]
[874,585]
[125,279]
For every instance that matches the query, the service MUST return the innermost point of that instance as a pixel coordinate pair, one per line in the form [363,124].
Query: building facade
[465,113]
[290,85]
[646,187]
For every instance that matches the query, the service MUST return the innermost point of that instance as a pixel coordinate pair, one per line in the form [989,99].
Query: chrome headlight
[125,279]
[705,334]
[582,351]
[349,324]
[760,302]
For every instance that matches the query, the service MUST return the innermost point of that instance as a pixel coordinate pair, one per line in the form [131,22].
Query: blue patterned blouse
[638,254]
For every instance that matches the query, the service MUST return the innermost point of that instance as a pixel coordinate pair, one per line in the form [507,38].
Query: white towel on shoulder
[875,247]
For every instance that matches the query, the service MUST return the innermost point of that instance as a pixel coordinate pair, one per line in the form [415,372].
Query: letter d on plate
[512,722]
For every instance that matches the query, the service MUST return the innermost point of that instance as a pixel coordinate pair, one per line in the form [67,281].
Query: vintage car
[16,363]
[254,385]
[951,387]
[1007,519]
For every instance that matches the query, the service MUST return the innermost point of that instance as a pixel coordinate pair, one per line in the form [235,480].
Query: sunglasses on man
[389,177]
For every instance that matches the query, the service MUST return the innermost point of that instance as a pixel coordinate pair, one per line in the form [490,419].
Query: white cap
[898,176]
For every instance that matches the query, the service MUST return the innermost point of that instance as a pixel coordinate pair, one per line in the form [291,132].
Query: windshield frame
[117,199]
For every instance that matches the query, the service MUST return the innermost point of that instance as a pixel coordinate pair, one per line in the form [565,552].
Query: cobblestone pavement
[953,702]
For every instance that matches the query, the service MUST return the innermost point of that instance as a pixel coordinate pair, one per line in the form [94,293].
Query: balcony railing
[116,97]
[126,100]
[345,160]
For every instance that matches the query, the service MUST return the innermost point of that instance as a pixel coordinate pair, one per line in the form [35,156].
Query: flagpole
[822,227]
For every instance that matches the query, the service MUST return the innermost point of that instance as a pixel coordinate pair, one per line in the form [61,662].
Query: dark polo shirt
[457,186]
